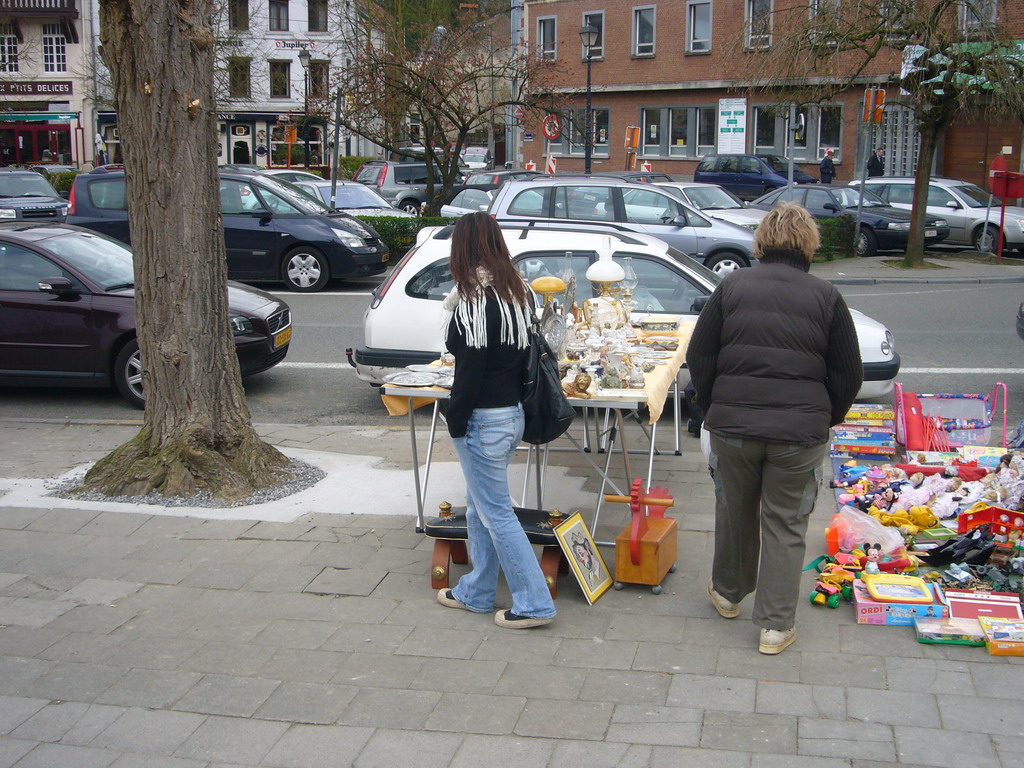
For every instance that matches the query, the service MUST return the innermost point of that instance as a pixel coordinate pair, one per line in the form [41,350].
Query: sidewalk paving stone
[153,731]
[390,708]
[51,755]
[671,726]
[230,739]
[73,682]
[304,746]
[153,688]
[12,750]
[541,681]
[380,670]
[590,754]
[227,695]
[84,647]
[475,713]
[626,687]
[893,707]
[947,749]
[14,711]
[713,692]
[389,748]
[815,701]
[69,722]
[565,719]
[316,703]
[459,676]
[293,665]
[477,750]
[749,732]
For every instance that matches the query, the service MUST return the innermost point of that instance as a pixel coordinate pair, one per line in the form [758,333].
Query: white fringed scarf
[472,315]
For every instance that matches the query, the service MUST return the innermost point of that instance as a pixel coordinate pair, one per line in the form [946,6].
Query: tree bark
[197,433]
[930,133]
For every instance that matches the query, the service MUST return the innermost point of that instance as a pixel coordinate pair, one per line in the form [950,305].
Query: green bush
[347,166]
[836,238]
[62,181]
[399,232]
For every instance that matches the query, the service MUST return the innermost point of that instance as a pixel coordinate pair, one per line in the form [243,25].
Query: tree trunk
[197,433]
[930,134]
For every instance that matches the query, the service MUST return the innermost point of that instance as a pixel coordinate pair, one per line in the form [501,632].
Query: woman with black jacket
[487,334]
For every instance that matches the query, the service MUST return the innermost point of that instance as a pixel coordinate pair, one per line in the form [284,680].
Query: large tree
[943,59]
[197,433]
[451,71]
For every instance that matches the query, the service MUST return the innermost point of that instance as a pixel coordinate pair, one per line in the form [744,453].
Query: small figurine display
[579,387]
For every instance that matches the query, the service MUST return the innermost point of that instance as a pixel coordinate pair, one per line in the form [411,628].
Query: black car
[273,231]
[882,227]
[67,313]
[27,196]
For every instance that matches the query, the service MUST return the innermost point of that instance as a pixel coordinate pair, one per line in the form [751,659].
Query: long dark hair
[477,242]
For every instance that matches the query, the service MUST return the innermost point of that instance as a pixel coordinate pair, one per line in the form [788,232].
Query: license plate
[384,258]
[931,232]
[282,337]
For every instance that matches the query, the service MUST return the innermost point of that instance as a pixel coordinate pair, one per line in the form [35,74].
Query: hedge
[399,232]
[836,238]
[347,166]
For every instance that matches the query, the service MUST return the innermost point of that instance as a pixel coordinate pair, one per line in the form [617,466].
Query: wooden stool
[449,533]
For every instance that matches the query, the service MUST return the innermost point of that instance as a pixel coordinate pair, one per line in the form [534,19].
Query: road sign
[530,166]
[552,162]
[645,166]
[874,105]
[551,127]
[518,113]
[290,134]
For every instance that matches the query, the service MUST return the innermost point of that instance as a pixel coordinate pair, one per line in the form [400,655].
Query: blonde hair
[787,226]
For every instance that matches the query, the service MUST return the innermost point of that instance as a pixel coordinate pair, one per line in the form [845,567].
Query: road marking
[967,371]
[330,366]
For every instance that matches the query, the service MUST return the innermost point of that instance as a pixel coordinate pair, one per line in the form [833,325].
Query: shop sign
[732,126]
[35,117]
[294,45]
[52,88]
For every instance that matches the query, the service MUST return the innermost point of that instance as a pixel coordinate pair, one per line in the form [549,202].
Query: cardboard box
[965,604]
[951,631]
[1003,637]
[896,614]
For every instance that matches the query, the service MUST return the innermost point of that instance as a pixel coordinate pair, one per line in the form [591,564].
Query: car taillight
[382,175]
[71,201]
[382,289]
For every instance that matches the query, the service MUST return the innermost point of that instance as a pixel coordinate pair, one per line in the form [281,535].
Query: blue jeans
[496,537]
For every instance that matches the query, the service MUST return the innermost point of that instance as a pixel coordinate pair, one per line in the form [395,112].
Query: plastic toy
[833,583]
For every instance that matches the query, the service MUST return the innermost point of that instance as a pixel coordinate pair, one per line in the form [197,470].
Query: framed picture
[580,550]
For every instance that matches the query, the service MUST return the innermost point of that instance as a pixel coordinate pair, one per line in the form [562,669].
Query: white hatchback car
[716,202]
[403,324]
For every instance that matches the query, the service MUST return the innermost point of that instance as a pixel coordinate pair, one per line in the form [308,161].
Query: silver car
[716,201]
[351,197]
[608,204]
[963,205]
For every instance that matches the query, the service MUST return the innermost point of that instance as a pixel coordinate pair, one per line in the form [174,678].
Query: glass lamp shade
[588,35]
[604,270]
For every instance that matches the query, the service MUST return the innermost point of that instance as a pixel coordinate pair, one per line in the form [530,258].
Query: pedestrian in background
[876,163]
[827,168]
[775,363]
[487,334]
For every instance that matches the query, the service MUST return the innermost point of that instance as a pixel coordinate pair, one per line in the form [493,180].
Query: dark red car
[67,313]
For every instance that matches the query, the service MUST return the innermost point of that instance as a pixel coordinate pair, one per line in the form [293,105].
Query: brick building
[671,68]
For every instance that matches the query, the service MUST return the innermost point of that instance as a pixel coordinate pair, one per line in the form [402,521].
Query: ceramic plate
[424,368]
[412,379]
[661,340]
[445,380]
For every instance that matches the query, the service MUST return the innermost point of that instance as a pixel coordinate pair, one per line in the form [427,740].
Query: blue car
[748,176]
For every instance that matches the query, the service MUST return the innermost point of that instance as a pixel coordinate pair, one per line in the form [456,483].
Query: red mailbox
[1007,184]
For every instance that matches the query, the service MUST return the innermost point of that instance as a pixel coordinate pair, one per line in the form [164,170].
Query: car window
[729,165]
[585,202]
[238,198]
[749,165]
[790,195]
[644,206]
[432,282]
[711,198]
[776,163]
[900,193]
[25,185]
[939,196]
[22,269]
[817,199]
[660,288]
[974,196]
[368,174]
[707,163]
[472,198]
[534,264]
[278,203]
[531,202]
[99,258]
[108,194]
[481,178]
[410,174]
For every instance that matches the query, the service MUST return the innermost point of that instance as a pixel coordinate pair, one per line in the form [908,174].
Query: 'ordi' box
[871,612]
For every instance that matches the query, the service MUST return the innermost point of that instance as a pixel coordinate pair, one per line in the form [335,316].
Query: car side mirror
[698,304]
[831,207]
[262,213]
[58,286]
[680,221]
[952,204]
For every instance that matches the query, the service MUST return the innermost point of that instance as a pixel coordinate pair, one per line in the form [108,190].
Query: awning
[36,117]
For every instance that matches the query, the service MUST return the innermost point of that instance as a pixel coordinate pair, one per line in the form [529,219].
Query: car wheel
[305,270]
[865,244]
[128,374]
[986,239]
[724,263]
[410,206]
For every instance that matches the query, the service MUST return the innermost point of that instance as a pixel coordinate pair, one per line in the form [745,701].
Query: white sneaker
[776,640]
[725,608]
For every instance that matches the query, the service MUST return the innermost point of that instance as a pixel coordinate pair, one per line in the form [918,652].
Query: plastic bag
[857,528]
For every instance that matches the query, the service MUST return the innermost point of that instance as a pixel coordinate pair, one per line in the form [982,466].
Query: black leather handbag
[548,412]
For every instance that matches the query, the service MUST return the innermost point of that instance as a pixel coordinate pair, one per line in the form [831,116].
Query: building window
[894,18]
[707,117]
[317,15]
[280,79]
[278,15]
[977,14]
[830,123]
[759,23]
[8,49]
[572,141]
[55,52]
[652,132]
[678,126]
[546,40]
[764,129]
[595,20]
[319,79]
[643,31]
[238,14]
[238,78]
[698,26]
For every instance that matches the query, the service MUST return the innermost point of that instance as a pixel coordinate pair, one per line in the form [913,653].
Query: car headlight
[900,226]
[888,344]
[64,211]
[240,325]
[351,240]
[8,213]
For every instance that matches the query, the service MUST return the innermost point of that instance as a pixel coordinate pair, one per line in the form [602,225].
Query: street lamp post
[589,37]
[304,58]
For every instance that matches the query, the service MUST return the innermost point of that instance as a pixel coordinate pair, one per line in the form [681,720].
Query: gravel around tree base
[304,476]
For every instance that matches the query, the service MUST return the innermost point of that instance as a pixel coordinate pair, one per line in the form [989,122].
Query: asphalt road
[951,338]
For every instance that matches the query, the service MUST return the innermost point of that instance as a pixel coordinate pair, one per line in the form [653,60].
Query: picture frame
[581,551]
